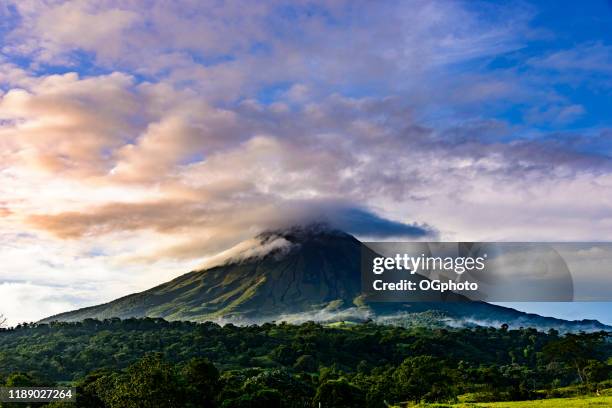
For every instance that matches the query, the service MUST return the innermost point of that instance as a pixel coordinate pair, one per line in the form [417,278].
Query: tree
[20,380]
[284,355]
[296,393]
[92,389]
[202,378]
[575,350]
[338,394]
[423,377]
[595,371]
[306,363]
[149,383]
[264,398]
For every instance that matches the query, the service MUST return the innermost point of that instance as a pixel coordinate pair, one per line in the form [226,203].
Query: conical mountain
[278,272]
[295,274]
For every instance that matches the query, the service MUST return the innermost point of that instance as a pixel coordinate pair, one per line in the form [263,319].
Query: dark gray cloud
[365,223]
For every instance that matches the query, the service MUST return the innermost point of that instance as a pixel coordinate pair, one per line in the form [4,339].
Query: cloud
[164,216]
[157,136]
[52,31]
[364,223]
[591,58]
[21,301]
[249,249]
[211,176]
[226,50]
[65,124]
[205,235]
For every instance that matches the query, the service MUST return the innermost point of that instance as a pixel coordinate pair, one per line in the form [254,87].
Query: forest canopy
[115,363]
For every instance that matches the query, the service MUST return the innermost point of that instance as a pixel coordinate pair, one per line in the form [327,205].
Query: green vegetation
[155,363]
[546,403]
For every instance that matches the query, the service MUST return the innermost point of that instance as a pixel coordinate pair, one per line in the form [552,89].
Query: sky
[139,138]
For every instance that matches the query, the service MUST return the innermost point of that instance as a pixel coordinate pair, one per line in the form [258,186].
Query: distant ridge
[300,273]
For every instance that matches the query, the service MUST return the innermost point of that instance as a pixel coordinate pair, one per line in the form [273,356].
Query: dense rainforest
[156,363]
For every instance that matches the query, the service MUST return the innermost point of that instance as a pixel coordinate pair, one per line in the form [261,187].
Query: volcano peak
[298,233]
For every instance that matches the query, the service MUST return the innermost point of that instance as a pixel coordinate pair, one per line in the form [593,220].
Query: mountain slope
[302,273]
[304,269]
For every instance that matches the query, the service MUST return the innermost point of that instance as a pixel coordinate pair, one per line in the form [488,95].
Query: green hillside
[579,402]
[320,269]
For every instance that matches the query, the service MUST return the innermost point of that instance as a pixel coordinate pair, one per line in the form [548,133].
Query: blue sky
[567,310]
[138,141]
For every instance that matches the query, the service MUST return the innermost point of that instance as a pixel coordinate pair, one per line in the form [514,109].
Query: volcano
[298,274]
